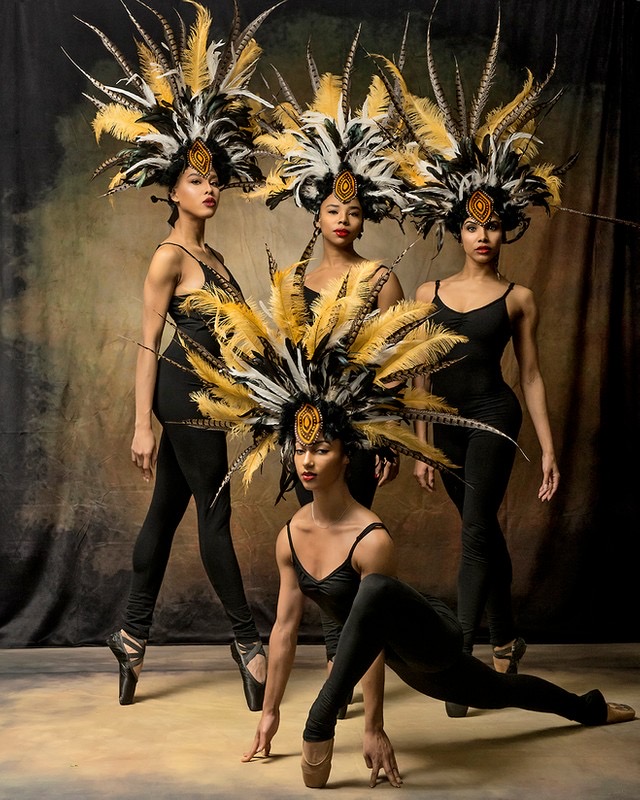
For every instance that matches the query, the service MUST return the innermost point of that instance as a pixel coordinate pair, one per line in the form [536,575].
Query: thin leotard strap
[437,288]
[509,288]
[359,538]
[189,253]
[229,285]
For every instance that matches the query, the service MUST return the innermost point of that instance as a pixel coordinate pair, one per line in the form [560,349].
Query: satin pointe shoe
[316,763]
[455,709]
[253,689]
[513,653]
[128,680]
[619,712]
[599,712]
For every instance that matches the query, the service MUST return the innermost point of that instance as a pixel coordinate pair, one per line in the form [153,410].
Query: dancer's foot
[619,712]
[252,663]
[316,763]
[455,709]
[507,658]
[130,654]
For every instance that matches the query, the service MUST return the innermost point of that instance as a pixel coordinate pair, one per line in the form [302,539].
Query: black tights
[422,642]
[190,462]
[484,578]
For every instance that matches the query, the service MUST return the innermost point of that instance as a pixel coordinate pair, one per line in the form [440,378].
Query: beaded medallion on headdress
[308,424]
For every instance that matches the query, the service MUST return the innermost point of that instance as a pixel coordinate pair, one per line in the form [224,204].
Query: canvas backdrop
[73,263]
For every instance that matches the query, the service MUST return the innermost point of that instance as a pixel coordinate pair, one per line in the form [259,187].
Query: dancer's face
[321,464]
[482,242]
[195,194]
[340,223]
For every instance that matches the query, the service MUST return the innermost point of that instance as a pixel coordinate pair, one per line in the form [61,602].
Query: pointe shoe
[253,688]
[128,679]
[619,712]
[316,763]
[342,713]
[513,653]
[455,709]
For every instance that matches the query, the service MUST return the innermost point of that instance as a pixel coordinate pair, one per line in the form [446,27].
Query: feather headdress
[458,165]
[329,147]
[186,102]
[282,375]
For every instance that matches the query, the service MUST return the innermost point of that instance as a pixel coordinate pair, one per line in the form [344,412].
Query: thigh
[202,458]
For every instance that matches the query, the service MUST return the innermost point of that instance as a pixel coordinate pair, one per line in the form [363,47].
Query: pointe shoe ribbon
[253,688]
[128,661]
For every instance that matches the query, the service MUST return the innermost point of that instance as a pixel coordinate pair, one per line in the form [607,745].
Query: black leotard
[477,377]
[172,401]
[335,593]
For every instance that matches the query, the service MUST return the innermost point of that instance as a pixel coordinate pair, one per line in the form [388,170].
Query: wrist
[142,425]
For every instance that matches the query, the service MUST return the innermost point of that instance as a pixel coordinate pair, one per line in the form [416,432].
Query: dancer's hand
[550,478]
[386,470]
[425,475]
[378,754]
[267,729]
[144,451]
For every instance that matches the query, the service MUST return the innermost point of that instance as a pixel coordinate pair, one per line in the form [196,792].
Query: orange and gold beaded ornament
[308,424]
[480,207]
[200,158]
[345,186]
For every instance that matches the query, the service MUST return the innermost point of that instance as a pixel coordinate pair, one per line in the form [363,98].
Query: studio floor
[63,734]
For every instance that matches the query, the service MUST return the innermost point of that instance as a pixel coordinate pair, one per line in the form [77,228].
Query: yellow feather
[328,97]
[245,63]
[428,123]
[495,117]
[221,412]
[256,459]
[378,432]
[376,331]
[116,180]
[377,100]
[278,143]
[422,399]
[411,354]
[231,392]
[333,314]
[288,306]
[554,184]
[120,122]
[153,75]
[206,372]
[194,59]
[242,327]
[205,301]
[286,115]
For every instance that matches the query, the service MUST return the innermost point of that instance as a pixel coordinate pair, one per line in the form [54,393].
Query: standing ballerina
[476,180]
[186,118]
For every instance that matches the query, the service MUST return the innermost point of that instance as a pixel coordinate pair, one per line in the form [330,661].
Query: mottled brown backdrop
[72,269]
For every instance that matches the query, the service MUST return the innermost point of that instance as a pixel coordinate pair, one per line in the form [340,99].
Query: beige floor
[63,734]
